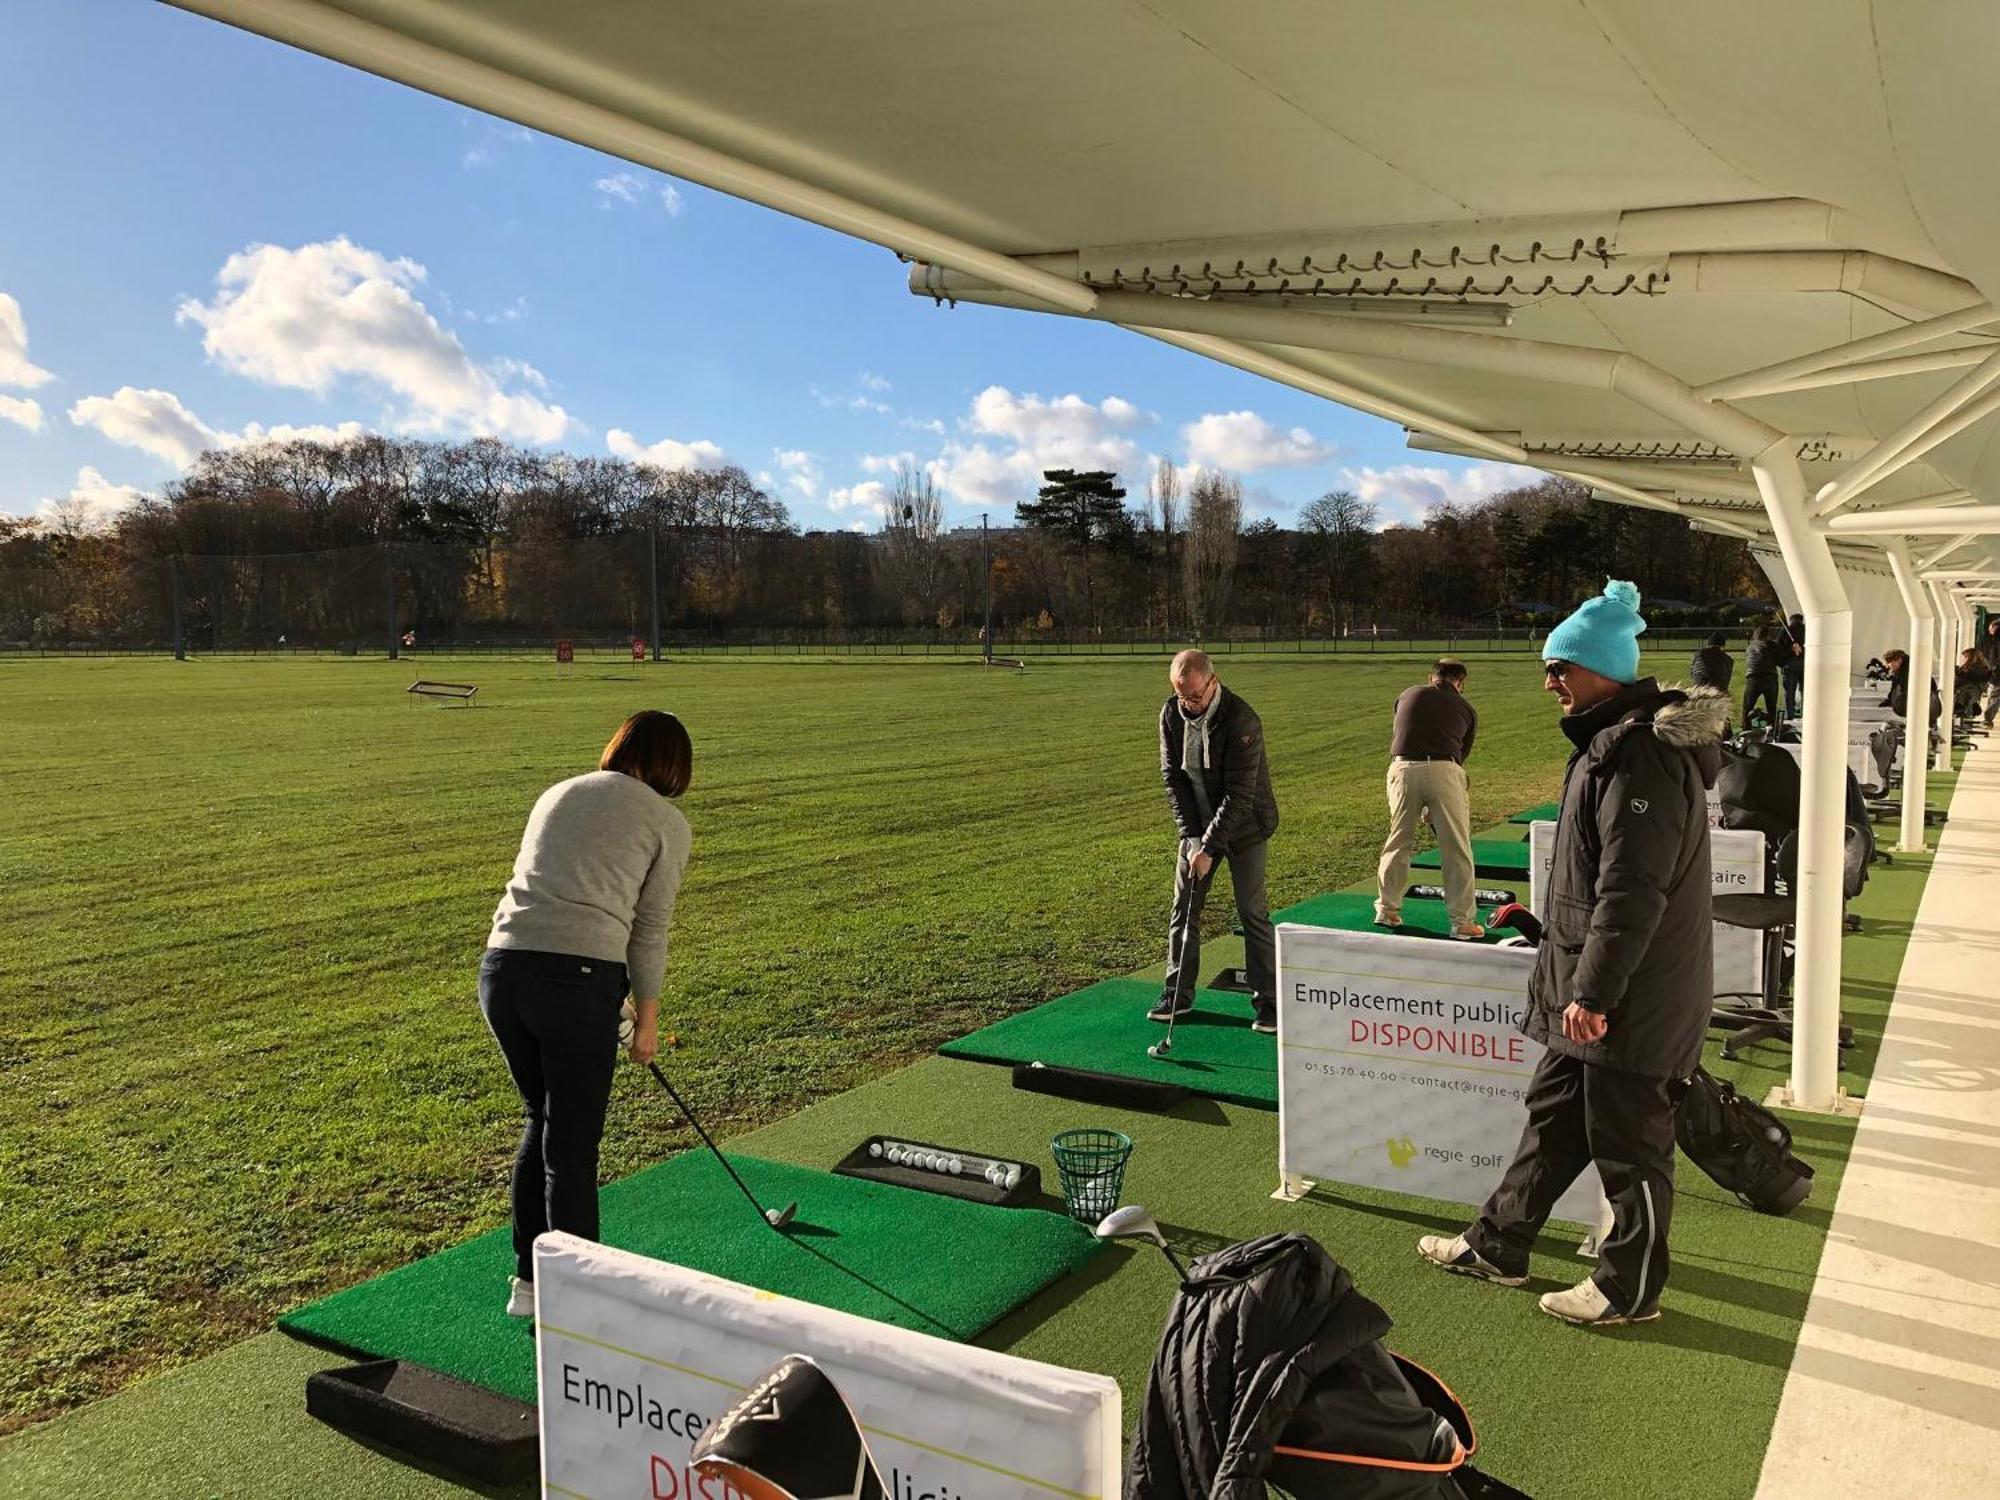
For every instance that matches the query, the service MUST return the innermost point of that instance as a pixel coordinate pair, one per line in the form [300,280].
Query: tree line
[321,543]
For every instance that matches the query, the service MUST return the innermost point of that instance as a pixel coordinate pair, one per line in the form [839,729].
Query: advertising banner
[1736,867]
[1401,1065]
[636,1357]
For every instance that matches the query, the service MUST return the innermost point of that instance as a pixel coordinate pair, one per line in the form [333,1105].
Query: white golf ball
[955,1166]
[996,1175]
[934,1162]
[1013,1177]
[874,1148]
[896,1155]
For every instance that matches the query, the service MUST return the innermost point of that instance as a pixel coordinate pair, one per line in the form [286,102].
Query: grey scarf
[1195,749]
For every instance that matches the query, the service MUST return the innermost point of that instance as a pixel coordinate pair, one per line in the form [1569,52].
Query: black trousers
[1579,1113]
[555,1017]
[1766,689]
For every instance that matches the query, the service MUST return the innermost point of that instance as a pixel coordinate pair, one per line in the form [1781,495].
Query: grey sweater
[599,866]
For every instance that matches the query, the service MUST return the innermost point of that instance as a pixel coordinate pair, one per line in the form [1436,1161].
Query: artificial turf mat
[1104,1029]
[1489,857]
[938,1265]
[1546,813]
[1354,911]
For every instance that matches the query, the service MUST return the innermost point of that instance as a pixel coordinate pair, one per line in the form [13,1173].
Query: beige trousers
[1415,788]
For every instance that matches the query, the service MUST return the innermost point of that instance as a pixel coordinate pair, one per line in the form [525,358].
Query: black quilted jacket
[1269,1342]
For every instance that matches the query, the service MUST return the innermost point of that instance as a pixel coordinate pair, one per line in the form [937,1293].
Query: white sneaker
[1456,1256]
[1586,1304]
[1472,932]
[520,1298]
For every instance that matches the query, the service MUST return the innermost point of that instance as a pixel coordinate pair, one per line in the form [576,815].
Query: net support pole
[653,582]
[1916,751]
[174,591]
[389,571]
[986,559]
[1951,631]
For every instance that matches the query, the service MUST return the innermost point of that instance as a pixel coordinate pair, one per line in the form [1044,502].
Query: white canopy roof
[1728,257]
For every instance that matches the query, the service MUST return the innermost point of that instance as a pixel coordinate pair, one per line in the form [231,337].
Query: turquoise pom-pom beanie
[1602,635]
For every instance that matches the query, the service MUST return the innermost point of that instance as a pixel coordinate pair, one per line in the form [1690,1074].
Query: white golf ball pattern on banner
[1000,1174]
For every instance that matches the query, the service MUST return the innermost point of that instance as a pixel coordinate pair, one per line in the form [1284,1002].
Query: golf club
[1165,1045]
[1136,1222]
[777,1218]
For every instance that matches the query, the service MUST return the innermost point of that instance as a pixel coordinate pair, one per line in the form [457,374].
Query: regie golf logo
[1402,1151]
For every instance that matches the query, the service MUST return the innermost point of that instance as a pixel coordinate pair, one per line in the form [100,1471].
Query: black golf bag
[1271,1371]
[1742,1146]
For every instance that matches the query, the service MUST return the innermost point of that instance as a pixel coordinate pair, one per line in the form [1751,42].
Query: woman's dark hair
[654,747]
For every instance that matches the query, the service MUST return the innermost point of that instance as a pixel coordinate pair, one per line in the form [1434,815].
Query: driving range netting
[919,1260]
[1104,1029]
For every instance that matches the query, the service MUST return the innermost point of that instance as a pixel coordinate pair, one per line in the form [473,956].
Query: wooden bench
[460,691]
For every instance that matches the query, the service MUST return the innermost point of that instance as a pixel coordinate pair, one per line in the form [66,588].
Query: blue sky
[209,236]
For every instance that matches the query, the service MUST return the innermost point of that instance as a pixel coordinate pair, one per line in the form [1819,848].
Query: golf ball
[874,1148]
[1013,1177]
[955,1166]
[896,1154]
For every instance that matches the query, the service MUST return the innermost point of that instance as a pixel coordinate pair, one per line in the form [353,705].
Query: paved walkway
[1895,1386]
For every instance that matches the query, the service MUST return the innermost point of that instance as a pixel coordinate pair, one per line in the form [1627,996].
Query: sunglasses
[1555,669]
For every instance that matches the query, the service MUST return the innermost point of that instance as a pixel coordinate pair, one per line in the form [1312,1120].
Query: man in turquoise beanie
[1624,977]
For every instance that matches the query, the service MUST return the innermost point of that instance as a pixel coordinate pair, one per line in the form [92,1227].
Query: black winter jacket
[1765,658]
[1237,778]
[1268,1342]
[1712,667]
[1628,932]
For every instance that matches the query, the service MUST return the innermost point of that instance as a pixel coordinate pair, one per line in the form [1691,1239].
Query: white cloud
[670,200]
[479,156]
[92,502]
[667,453]
[873,382]
[22,411]
[925,424]
[860,401]
[1405,491]
[887,463]
[496,136]
[153,421]
[15,369]
[1067,432]
[801,471]
[624,186]
[157,422]
[309,317]
[870,495]
[1244,442]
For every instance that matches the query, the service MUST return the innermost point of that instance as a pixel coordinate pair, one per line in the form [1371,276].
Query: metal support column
[1916,757]
[1815,1080]
[986,563]
[1950,628]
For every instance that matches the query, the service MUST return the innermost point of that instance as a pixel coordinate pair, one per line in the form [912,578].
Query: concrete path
[1895,1386]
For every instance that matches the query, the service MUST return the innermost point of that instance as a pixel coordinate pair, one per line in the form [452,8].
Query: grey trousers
[1260,947]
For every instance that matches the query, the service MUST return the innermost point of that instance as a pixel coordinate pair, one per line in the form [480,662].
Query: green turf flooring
[1354,911]
[1546,813]
[939,1265]
[1104,1029]
[1489,857]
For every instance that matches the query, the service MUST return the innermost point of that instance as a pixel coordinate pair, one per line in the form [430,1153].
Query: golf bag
[1271,1371]
[1742,1146]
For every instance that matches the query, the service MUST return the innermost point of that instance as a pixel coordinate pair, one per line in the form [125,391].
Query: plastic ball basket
[1091,1164]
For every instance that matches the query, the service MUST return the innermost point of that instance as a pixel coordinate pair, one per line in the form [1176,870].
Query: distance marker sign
[1401,1065]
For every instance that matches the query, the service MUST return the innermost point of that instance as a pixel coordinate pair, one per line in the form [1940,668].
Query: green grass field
[240,1060]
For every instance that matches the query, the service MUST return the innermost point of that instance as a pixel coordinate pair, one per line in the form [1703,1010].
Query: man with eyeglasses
[1624,977]
[1219,789]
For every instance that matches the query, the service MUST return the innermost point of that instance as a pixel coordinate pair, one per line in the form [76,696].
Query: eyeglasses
[1555,669]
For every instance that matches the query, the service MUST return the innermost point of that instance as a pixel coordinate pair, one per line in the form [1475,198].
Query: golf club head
[778,1218]
[1132,1222]
[1160,1048]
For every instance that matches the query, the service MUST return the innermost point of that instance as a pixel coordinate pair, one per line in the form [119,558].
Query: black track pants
[1579,1113]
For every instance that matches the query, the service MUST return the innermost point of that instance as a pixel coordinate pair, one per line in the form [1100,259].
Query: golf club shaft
[1183,908]
[708,1141]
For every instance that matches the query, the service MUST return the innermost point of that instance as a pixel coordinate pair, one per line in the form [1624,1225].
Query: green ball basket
[1091,1164]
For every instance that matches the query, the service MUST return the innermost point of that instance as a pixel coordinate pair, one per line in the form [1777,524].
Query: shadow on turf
[525,1490]
[1055,1297]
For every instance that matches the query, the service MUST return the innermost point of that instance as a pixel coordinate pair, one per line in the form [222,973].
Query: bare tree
[914,528]
[1337,528]
[1166,489]
[1215,520]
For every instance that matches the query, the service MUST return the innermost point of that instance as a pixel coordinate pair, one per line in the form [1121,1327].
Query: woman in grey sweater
[585,917]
